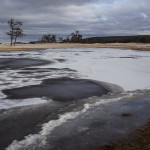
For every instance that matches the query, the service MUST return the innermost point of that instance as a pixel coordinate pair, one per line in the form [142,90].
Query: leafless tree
[60,39]
[11,24]
[18,31]
[48,38]
[15,30]
[76,37]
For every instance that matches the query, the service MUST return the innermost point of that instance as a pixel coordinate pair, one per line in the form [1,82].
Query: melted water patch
[60,89]
[16,63]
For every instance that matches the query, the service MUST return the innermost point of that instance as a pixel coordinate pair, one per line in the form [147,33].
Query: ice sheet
[129,69]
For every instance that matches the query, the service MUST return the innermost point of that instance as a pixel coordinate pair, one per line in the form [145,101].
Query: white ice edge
[6,104]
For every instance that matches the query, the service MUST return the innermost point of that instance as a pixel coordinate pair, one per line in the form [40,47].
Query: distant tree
[143,40]
[48,38]
[53,39]
[18,31]
[15,30]
[11,24]
[60,39]
[66,40]
[76,37]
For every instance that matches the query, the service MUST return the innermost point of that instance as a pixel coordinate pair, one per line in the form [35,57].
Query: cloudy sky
[90,17]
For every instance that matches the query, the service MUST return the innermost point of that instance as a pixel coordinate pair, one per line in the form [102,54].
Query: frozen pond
[42,121]
[127,68]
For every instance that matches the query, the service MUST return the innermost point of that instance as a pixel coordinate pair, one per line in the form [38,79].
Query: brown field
[135,46]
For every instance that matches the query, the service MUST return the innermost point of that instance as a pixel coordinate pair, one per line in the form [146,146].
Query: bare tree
[15,30]
[66,40]
[48,38]
[60,39]
[18,31]
[76,37]
[53,39]
[11,24]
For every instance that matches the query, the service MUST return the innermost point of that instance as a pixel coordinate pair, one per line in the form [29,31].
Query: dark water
[15,63]
[69,127]
[61,89]
[100,125]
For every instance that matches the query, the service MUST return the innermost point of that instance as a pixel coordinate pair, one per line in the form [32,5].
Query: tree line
[74,37]
[118,39]
[16,31]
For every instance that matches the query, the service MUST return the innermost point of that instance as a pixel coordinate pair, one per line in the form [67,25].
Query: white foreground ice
[129,69]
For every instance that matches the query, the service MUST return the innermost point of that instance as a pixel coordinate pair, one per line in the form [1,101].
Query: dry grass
[140,142]
[135,46]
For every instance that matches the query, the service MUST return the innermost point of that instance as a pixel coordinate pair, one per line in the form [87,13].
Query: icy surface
[39,141]
[129,69]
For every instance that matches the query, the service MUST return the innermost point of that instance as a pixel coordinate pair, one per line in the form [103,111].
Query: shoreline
[22,47]
[136,141]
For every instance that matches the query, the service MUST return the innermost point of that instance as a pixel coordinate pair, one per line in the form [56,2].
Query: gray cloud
[93,17]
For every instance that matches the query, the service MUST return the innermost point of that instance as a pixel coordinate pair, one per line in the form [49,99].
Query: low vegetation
[139,141]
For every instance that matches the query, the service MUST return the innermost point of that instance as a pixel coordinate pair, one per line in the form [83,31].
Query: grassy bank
[134,46]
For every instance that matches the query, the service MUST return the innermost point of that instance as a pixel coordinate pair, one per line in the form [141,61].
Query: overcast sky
[90,17]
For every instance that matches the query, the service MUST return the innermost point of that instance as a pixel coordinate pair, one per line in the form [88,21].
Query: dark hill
[118,39]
